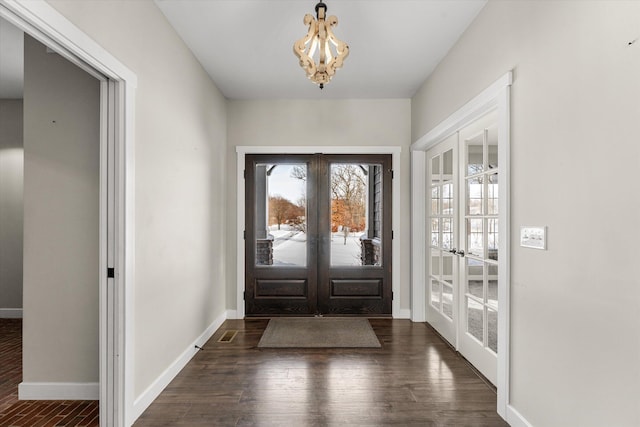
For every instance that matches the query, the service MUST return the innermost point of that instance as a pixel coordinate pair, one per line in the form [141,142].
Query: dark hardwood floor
[415,379]
[33,413]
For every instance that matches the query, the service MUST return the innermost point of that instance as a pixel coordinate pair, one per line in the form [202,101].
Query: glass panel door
[281,225]
[354,256]
[478,307]
[442,272]
[318,235]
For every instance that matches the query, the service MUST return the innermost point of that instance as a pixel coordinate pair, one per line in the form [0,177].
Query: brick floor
[33,413]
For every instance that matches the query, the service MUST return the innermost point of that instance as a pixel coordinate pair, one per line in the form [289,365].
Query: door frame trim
[43,22]
[242,151]
[496,96]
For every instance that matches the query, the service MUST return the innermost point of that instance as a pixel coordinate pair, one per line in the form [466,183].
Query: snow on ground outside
[289,247]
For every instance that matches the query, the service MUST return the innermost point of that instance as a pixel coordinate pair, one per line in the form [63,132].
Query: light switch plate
[533,237]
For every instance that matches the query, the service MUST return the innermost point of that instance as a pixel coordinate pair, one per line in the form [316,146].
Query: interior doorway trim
[395,162]
[118,83]
[495,97]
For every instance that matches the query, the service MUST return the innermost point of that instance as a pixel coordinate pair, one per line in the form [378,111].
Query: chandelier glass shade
[320,52]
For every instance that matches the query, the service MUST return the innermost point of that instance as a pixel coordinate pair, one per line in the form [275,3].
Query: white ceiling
[246,46]
[11,62]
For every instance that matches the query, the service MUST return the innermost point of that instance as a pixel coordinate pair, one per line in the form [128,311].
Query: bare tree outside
[348,197]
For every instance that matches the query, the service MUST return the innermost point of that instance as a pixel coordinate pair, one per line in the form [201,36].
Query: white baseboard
[10,313]
[403,313]
[515,418]
[58,391]
[153,391]
[232,314]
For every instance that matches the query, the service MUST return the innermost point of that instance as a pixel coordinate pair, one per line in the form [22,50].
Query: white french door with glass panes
[479,236]
[462,185]
[442,310]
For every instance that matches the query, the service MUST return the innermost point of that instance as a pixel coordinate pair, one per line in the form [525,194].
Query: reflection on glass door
[479,303]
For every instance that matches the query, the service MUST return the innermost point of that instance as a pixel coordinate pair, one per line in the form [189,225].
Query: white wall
[574,158]
[384,122]
[11,178]
[180,179]
[61,197]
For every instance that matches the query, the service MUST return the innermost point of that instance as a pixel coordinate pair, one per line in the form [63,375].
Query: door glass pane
[475,324]
[434,200]
[447,267]
[447,301]
[447,165]
[492,238]
[435,232]
[356,214]
[280,214]
[447,233]
[447,199]
[492,285]
[435,263]
[475,155]
[475,243]
[475,194]
[475,278]
[492,194]
[435,294]
[492,330]
[435,170]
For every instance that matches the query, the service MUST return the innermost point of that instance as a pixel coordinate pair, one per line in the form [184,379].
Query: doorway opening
[116,226]
[318,235]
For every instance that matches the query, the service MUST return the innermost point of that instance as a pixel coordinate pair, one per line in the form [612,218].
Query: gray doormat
[318,332]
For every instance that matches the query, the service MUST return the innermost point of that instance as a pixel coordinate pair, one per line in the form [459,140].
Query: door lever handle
[453,251]
[460,253]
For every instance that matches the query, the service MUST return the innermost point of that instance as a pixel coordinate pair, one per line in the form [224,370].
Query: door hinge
[244,234]
[244,174]
[244,295]
[391,295]
[391,234]
[111,272]
[391,173]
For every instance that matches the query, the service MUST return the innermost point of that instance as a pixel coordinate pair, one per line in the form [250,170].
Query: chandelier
[320,52]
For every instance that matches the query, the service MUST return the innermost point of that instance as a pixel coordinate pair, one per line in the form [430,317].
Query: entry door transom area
[318,235]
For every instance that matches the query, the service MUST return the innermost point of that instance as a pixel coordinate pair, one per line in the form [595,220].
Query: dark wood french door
[318,235]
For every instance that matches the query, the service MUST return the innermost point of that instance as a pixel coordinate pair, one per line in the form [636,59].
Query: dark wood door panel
[356,289]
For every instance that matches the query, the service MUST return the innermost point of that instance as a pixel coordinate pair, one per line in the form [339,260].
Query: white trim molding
[10,313]
[515,418]
[153,391]
[395,151]
[403,313]
[58,391]
[495,97]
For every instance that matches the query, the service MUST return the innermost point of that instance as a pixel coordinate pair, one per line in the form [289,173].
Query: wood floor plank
[415,379]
